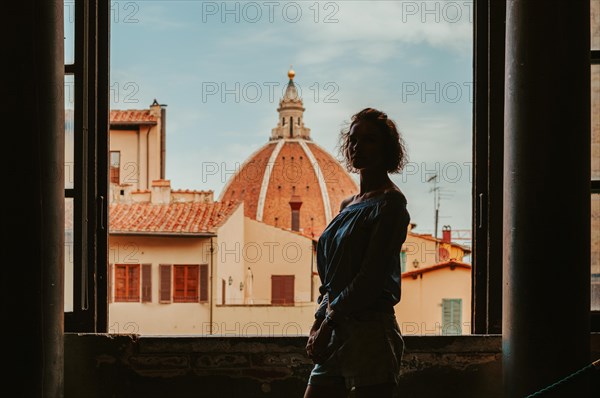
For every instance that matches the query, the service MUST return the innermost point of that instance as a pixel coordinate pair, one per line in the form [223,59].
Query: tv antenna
[436,202]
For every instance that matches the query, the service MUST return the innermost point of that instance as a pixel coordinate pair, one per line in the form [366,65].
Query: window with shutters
[451,316]
[127,282]
[282,290]
[186,284]
[164,292]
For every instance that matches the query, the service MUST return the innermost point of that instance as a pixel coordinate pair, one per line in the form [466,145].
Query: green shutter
[451,317]
[402,261]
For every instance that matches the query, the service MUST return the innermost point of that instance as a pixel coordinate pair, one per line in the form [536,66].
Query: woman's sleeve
[322,309]
[388,235]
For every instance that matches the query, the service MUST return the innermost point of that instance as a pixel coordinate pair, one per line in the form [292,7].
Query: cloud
[372,31]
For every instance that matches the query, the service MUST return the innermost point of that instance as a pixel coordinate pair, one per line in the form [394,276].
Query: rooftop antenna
[436,202]
[436,208]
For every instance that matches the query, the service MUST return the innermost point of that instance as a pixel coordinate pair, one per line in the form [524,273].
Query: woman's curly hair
[394,147]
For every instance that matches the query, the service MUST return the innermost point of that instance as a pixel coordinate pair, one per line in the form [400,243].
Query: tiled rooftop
[180,218]
[452,264]
[132,116]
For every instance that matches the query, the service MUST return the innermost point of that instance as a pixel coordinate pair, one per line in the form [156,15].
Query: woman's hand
[318,341]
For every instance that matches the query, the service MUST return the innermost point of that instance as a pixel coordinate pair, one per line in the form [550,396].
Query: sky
[221,69]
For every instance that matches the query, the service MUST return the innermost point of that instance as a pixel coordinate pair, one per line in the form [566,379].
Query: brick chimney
[295,204]
[446,234]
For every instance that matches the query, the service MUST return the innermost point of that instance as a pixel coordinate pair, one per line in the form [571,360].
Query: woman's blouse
[358,256]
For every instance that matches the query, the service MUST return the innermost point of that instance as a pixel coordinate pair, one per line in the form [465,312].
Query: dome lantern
[290,123]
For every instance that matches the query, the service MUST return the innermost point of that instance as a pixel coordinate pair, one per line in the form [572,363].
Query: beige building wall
[229,250]
[133,162]
[282,252]
[420,309]
[267,251]
[263,320]
[154,317]
[424,251]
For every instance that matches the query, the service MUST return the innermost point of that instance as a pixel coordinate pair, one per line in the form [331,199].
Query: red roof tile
[173,218]
[448,264]
[132,116]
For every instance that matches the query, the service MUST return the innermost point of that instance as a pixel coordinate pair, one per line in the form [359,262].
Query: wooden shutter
[282,289]
[120,282]
[204,283]
[165,283]
[110,283]
[133,282]
[451,316]
[146,283]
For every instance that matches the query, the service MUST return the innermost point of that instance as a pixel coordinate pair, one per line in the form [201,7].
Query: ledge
[120,365]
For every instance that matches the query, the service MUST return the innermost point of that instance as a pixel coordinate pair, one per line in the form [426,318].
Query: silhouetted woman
[355,341]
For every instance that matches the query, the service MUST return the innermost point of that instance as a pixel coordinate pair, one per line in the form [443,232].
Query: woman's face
[366,146]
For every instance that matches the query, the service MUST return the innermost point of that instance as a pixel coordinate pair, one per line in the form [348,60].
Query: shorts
[366,350]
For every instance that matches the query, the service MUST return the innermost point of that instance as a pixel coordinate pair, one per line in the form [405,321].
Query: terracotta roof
[430,237]
[191,191]
[132,116]
[172,218]
[448,264]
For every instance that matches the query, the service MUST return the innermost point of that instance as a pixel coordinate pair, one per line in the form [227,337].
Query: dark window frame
[91,71]
[595,189]
[90,188]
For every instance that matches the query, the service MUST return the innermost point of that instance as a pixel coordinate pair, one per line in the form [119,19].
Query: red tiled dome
[291,164]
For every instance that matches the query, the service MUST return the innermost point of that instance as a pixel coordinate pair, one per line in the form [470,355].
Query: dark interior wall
[33,209]
[122,366]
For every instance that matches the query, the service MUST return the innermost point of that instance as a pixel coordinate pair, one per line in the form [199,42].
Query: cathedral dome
[291,182]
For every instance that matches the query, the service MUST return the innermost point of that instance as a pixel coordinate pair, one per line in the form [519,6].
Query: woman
[355,341]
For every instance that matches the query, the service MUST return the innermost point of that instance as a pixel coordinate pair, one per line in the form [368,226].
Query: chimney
[295,204]
[446,234]
[160,112]
[161,192]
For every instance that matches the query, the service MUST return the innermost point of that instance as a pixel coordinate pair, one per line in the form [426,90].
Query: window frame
[91,71]
[487,190]
[594,189]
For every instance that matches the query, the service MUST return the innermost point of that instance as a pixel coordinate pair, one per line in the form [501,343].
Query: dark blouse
[358,256]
